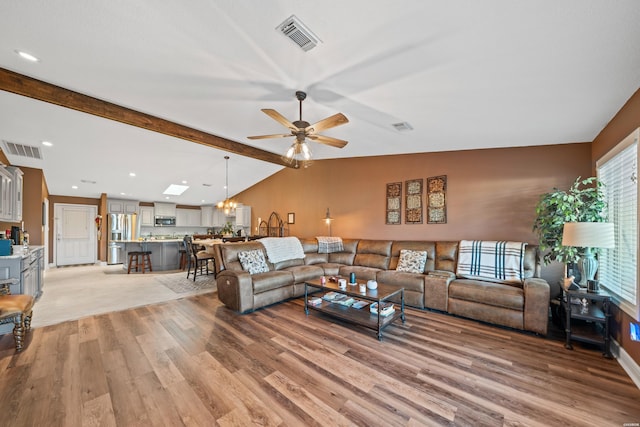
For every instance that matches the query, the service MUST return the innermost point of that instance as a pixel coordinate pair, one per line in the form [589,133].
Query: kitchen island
[165,253]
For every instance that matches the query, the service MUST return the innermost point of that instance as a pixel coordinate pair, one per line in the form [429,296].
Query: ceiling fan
[301,129]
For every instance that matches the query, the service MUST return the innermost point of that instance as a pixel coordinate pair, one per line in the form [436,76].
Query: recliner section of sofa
[520,306]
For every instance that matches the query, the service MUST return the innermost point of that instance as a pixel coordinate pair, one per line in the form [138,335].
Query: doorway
[74,234]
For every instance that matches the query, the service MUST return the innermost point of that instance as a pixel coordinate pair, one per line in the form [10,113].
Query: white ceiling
[465,74]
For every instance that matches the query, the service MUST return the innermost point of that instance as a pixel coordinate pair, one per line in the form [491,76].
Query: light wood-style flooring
[192,362]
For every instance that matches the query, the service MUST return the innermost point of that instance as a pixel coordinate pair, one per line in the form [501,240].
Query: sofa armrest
[235,290]
[536,305]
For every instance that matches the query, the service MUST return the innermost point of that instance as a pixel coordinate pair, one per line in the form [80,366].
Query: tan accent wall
[491,194]
[624,122]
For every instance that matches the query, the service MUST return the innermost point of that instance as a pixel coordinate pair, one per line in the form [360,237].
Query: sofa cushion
[271,280]
[373,253]
[345,257]
[488,293]
[253,261]
[413,245]
[302,273]
[412,261]
[408,281]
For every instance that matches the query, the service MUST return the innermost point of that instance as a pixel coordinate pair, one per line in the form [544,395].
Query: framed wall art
[291,218]
[394,203]
[437,199]
[413,210]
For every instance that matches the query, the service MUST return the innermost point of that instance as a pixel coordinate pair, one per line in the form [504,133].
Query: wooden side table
[588,320]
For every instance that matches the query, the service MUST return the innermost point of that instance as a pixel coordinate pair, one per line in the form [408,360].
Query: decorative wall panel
[437,199]
[413,191]
[394,203]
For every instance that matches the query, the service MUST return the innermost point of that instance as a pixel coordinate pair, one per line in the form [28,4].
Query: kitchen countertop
[19,253]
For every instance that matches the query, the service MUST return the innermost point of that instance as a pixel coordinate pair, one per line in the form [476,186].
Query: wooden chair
[134,261]
[199,258]
[17,309]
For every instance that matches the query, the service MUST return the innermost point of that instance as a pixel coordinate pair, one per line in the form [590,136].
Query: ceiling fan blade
[279,118]
[278,135]
[334,142]
[329,122]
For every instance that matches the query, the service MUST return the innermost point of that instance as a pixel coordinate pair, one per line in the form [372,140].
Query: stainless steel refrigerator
[122,227]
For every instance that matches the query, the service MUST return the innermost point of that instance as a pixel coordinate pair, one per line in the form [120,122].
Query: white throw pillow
[253,261]
[412,261]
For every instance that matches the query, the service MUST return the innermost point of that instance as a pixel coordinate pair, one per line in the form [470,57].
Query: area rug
[179,283]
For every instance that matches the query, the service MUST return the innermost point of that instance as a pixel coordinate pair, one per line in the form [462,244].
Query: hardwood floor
[193,362]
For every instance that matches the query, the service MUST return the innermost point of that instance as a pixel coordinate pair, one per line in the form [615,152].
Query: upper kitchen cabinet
[122,206]
[188,218]
[206,216]
[11,188]
[243,216]
[164,209]
[146,216]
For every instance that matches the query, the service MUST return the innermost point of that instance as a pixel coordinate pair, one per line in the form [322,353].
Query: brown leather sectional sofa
[523,306]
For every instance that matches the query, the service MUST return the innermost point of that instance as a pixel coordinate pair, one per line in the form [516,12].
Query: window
[618,270]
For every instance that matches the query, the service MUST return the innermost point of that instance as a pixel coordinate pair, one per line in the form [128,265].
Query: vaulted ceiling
[463,74]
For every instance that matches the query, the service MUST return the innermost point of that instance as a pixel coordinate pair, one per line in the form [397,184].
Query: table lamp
[588,235]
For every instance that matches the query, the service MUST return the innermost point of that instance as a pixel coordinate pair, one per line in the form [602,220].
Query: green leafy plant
[583,202]
[227,229]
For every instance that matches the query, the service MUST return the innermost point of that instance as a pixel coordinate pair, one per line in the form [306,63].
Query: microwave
[165,221]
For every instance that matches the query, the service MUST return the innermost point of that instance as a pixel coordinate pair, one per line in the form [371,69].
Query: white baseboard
[628,364]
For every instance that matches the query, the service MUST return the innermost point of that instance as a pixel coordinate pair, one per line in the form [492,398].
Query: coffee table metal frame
[363,316]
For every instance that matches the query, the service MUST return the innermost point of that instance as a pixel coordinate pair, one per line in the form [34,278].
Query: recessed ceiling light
[132,174]
[175,189]
[27,56]
[123,194]
[47,143]
[75,187]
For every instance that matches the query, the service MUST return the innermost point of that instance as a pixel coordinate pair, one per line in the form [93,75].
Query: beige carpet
[70,293]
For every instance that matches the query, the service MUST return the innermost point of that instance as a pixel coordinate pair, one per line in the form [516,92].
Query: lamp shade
[588,234]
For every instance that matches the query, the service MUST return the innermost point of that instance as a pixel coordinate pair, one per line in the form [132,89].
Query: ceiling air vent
[294,29]
[22,150]
[402,126]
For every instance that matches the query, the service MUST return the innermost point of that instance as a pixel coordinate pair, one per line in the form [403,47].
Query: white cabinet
[146,216]
[219,218]
[188,217]
[206,213]
[11,187]
[165,209]
[17,184]
[243,216]
[122,206]
[6,211]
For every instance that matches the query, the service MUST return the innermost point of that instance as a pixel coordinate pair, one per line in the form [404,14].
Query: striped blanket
[327,245]
[490,260]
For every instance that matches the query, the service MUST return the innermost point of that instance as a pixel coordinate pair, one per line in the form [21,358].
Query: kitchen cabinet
[188,218]
[123,206]
[164,209]
[146,216]
[243,216]
[11,193]
[219,218]
[206,216]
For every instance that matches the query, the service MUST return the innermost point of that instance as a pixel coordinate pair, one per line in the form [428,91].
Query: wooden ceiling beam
[27,86]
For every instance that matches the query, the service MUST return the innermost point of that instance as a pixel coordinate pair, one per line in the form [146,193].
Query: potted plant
[583,202]
[227,230]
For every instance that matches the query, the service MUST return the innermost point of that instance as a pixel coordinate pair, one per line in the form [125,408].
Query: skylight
[175,189]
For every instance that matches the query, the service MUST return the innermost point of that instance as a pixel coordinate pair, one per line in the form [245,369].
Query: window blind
[618,266]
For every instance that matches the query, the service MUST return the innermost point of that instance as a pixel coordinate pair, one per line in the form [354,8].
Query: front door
[75,234]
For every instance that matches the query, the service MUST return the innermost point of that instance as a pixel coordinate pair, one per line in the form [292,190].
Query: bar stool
[183,256]
[16,309]
[134,261]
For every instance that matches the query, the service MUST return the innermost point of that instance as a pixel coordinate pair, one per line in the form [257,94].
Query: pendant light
[228,205]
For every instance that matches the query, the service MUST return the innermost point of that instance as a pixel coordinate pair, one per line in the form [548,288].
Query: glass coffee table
[359,316]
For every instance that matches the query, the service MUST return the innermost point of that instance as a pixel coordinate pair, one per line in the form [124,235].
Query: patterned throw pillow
[253,261]
[412,261]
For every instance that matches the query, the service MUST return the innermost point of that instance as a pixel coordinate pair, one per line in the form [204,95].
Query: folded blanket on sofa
[498,261]
[282,248]
[327,245]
